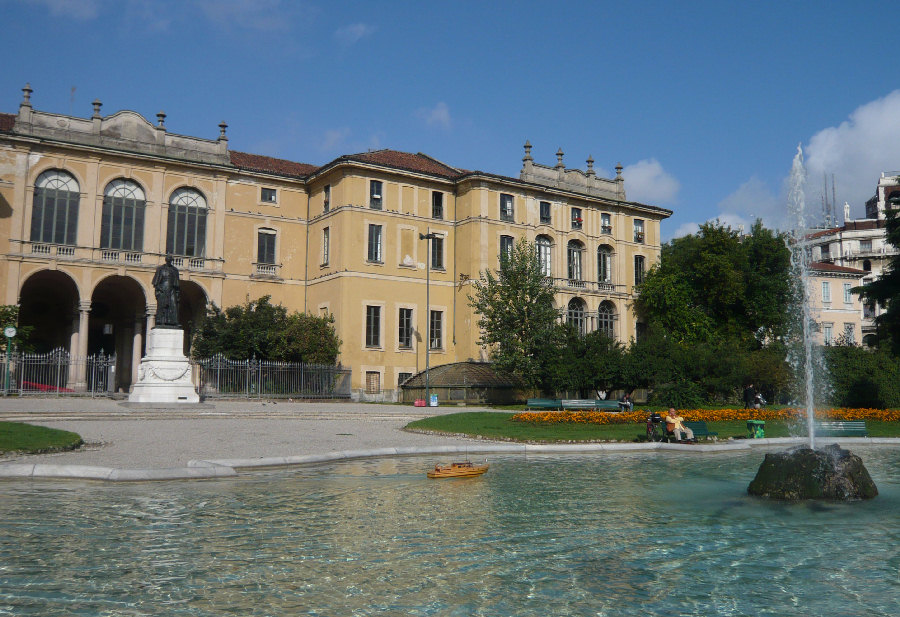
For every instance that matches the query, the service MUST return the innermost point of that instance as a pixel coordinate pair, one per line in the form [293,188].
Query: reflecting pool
[655,533]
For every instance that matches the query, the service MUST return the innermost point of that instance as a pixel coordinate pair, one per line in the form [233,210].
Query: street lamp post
[428,237]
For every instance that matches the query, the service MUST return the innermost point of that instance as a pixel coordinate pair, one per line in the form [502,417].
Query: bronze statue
[168,292]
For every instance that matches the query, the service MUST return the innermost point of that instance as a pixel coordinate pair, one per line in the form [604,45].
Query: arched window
[544,247]
[54,218]
[122,226]
[575,250]
[606,319]
[604,264]
[186,231]
[575,315]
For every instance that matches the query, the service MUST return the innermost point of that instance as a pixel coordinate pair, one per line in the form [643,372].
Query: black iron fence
[224,378]
[57,373]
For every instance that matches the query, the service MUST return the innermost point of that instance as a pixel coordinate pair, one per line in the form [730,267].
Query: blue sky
[703,103]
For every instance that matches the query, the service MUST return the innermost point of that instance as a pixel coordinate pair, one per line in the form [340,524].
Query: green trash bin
[756,429]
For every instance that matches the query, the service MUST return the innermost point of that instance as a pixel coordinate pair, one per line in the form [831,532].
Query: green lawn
[497,425]
[19,437]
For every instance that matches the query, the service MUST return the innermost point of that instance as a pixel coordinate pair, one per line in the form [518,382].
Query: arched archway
[191,309]
[48,301]
[117,324]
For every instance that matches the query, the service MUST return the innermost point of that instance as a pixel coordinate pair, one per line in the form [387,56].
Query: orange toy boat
[458,470]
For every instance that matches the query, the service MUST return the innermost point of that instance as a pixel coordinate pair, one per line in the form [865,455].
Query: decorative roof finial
[97,105]
[222,127]
[527,156]
[590,164]
[161,120]
[26,98]
[559,159]
[619,171]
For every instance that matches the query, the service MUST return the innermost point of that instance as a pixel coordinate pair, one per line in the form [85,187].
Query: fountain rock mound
[803,473]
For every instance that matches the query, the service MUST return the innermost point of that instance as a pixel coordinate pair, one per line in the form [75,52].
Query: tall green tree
[266,331]
[886,288]
[516,316]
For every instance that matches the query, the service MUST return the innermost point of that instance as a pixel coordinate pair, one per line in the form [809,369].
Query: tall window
[265,246]
[375,194]
[437,253]
[606,319]
[638,269]
[326,245]
[577,221]
[828,333]
[848,294]
[575,315]
[544,247]
[638,230]
[437,205]
[122,223]
[604,264]
[54,218]
[850,333]
[545,212]
[435,335]
[865,246]
[506,247]
[506,207]
[605,223]
[373,382]
[574,251]
[326,198]
[826,291]
[186,230]
[375,243]
[405,334]
[373,326]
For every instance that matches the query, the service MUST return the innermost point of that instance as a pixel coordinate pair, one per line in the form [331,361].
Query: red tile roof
[862,224]
[821,266]
[258,162]
[6,122]
[421,163]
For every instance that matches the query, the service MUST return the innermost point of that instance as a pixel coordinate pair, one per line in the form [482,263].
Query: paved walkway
[127,442]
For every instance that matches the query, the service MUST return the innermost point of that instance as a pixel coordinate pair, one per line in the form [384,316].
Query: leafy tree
[266,331]
[516,316]
[886,288]
[9,316]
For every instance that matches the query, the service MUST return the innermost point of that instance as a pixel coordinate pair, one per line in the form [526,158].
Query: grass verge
[30,439]
[497,425]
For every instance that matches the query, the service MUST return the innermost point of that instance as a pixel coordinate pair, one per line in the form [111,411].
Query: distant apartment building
[861,245]
[89,207]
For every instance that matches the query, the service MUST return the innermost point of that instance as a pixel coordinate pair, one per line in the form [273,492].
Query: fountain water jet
[805,472]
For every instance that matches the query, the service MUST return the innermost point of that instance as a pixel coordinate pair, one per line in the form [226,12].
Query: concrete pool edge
[221,468]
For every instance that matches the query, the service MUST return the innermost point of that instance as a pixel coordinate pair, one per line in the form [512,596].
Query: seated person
[625,403]
[675,424]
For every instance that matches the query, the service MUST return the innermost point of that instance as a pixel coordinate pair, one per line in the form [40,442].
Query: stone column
[84,312]
[136,348]
[72,377]
[151,317]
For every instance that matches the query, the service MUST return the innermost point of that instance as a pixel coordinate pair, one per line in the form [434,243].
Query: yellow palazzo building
[89,207]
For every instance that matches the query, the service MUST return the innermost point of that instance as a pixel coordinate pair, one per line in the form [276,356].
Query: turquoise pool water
[630,534]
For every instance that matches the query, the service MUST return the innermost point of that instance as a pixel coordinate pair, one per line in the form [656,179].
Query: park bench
[544,403]
[699,428]
[841,429]
[579,403]
[605,404]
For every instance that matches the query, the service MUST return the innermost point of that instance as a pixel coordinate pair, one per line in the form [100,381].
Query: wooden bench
[544,403]
[841,429]
[699,428]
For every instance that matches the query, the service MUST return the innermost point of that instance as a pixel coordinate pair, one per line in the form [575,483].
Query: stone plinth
[164,375]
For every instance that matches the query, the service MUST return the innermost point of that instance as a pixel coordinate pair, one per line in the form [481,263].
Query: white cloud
[265,15]
[752,200]
[334,139]
[686,229]
[76,9]
[353,33]
[856,152]
[438,116]
[646,181]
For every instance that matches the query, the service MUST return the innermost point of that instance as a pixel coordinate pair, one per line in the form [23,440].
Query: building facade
[89,207]
[861,244]
[836,310]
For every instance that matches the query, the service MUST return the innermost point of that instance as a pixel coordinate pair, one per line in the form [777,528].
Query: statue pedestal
[164,375]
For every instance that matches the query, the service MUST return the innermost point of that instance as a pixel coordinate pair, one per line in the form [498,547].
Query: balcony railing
[44,250]
[266,270]
[588,286]
[606,229]
[639,237]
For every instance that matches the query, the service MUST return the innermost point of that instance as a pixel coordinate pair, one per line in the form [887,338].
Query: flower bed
[706,415]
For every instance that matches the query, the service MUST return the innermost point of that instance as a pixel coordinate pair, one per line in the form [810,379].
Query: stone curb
[222,468]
